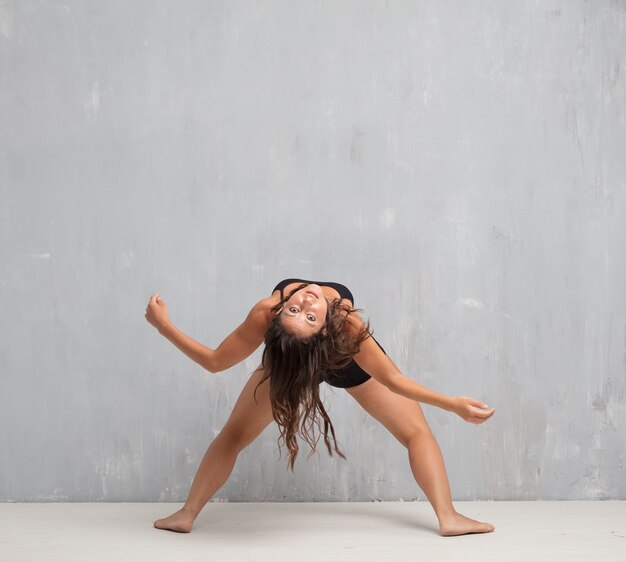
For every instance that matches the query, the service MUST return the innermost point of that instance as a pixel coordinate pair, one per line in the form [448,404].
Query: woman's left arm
[380,367]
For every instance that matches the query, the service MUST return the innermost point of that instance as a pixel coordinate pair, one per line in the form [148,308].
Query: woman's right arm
[241,343]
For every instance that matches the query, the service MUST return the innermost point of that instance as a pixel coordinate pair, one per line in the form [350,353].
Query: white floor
[321,532]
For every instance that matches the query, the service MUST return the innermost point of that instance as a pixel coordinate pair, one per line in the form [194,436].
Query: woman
[312,334]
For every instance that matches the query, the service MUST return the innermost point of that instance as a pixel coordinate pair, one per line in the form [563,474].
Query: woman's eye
[311,317]
[293,309]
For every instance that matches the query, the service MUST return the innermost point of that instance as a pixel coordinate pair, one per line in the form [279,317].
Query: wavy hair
[296,366]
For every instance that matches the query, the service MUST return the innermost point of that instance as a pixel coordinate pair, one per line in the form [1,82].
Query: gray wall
[459,165]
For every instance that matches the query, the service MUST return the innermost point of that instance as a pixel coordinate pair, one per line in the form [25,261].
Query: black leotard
[343,291]
[351,375]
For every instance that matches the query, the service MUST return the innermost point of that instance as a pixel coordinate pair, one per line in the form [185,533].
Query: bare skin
[401,415]
[405,420]
[246,422]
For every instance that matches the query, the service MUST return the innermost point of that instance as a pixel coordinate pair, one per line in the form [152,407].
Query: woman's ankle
[191,511]
[444,515]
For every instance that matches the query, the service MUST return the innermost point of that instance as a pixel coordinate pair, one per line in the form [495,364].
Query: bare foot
[181,522]
[458,524]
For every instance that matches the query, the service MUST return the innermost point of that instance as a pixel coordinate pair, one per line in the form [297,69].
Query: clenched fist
[156,312]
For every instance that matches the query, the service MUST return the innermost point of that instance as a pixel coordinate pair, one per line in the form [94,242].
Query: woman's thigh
[402,416]
[250,417]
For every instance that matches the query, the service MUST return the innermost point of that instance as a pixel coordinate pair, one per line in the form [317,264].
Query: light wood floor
[321,532]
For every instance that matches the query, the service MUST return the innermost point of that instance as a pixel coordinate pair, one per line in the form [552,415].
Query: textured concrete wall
[459,165]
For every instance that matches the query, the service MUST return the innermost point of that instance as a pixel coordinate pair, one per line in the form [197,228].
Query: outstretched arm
[380,366]
[241,343]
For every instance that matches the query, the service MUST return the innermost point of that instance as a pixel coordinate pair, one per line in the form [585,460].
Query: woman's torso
[351,375]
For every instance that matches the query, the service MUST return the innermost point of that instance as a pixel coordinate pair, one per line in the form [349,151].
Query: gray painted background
[459,165]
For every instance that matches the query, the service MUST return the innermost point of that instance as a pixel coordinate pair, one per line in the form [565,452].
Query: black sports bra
[343,291]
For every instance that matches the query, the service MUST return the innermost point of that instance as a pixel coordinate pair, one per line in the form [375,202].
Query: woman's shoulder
[262,310]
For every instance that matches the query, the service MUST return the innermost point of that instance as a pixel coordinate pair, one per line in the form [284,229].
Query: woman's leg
[404,418]
[246,422]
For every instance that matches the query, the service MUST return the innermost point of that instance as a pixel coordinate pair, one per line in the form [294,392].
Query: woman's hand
[471,410]
[156,312]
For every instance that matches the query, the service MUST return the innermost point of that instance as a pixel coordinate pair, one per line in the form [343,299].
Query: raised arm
[380,367]
[241,343]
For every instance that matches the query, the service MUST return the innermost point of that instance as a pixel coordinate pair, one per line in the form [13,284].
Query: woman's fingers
[483,416]
[154,299]
[472,410]
[485,413]
[156,310]
[476,412]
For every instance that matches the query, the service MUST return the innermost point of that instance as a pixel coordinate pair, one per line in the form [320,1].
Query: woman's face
[305,311]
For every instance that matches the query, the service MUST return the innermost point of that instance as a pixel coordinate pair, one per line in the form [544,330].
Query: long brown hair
[296,366]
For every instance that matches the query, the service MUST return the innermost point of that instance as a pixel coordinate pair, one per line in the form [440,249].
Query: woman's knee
[241,432]
[250,415]
[233,438]
[417,434]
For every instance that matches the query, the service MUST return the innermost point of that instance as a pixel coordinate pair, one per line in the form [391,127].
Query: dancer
[313,334]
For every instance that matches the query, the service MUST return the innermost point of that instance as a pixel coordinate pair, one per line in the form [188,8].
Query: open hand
[156,312]
[471,410]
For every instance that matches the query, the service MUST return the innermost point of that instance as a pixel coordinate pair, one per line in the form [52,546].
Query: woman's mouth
[312,293]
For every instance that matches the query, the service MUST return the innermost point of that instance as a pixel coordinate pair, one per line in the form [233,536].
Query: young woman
[313,334]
